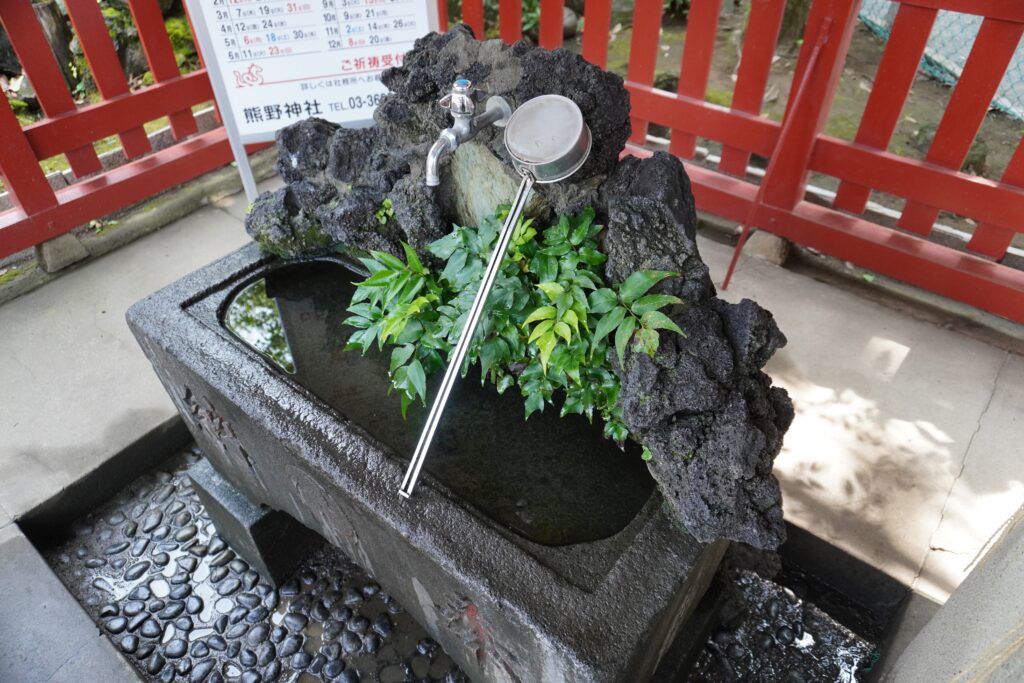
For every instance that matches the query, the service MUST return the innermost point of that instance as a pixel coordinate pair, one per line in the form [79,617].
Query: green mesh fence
[948,47]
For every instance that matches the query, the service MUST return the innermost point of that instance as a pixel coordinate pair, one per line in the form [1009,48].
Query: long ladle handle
[451,374]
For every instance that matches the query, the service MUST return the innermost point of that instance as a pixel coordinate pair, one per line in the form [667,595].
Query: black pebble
[382,625]
[300,660]
[150,629]
[258,634]
[202,670]
[135,571]
[194,604]
[785,635]
[334,668]
[290,646]
[350,642]
[295,622]
[176,648]
[247,600]
[129,643]
[155,663]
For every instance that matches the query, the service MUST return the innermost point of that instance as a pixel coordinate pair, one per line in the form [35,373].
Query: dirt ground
[994,145]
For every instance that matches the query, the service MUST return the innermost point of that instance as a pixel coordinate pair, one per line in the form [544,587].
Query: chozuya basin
[548,141]
[548,138]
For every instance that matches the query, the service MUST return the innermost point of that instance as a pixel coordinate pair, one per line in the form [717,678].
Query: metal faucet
[461,102]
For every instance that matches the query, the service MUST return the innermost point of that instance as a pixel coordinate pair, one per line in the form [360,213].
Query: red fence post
[643,55]
[150,22]
[473,16]
[23,177]
[972,97]
[510,20]
[752,76]
[597,15]
[834,20]
[552,13]
[993,240]
[106,69]
[701,31]
[896,72]
[40,65]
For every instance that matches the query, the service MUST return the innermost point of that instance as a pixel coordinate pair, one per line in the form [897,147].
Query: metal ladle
[548,141]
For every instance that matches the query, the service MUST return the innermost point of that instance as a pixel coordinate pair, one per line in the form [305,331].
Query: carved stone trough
[533,551]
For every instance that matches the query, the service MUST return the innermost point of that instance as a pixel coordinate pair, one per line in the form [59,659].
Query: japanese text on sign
[285,60]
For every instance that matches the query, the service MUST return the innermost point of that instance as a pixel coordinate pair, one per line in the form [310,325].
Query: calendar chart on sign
[280,61]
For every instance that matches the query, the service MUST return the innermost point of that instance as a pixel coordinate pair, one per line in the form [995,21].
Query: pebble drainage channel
[766,634]
[152,571]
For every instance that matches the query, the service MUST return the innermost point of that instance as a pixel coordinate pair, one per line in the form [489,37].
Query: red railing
[778,204]
[39,212]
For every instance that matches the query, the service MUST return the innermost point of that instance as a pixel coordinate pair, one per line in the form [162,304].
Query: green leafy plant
[550,325]
[384,212]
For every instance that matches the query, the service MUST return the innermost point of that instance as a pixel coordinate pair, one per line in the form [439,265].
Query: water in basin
[555,481]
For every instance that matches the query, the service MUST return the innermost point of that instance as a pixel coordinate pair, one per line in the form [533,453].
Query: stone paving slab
[77,389]
[45,634]
[888,411]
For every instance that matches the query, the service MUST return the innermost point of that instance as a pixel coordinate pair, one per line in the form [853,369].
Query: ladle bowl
[548,138]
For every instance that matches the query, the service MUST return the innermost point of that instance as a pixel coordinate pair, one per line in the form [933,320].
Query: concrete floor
[904,452]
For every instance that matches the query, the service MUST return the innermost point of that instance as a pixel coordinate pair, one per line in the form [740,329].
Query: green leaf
[602,300]
[656,320]
[414,261]
[378,279]
[637,284]
[418,379]
[392,262]
[546,344]
[581,230]
[607,323]
[504,383]
[534,403]
[542,313]
[444,247]
[572,320]
[622,337]
[653,302]
[400,355]
[563,331]
[552,289]
[647,342]
[547,267]
[542,328]
[646,455]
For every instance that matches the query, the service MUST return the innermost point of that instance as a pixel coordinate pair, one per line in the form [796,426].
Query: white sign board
[274,62]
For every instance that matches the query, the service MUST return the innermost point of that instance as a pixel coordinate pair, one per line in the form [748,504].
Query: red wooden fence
[41,213]
[973,274]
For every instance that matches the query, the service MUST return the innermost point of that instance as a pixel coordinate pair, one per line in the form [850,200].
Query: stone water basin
[554,481]
[532,550]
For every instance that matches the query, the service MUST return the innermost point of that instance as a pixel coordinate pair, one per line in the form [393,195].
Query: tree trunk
[793,20]
[58,35]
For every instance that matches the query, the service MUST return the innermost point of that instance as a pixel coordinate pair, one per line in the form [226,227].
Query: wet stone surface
[765,633]
[172,596]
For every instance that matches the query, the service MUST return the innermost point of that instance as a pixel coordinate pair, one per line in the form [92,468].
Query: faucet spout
[443,145]
[462,105]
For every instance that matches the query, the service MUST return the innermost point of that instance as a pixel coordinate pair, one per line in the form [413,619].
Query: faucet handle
[461,99]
